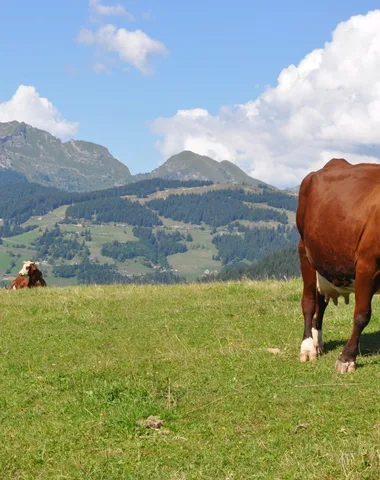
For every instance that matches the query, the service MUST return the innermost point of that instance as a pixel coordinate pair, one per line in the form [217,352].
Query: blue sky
[211,54]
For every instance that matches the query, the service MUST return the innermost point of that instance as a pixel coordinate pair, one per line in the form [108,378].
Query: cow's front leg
[365,286]
[308,348]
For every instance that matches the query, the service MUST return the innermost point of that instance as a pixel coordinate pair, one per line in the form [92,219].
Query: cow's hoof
[345,367]
[310,356]
[308,351]
[319,349]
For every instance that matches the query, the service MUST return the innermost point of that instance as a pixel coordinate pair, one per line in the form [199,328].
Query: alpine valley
[77,210]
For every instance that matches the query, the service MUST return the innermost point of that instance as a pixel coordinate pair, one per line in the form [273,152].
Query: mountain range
[42,158]
[28,154]
[191,166]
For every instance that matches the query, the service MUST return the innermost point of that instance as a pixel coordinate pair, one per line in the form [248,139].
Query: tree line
[54,244]
[215,208]
[8,230]
[31,199]
[273,199]
[87,273]
[281,264]
[153,247]
[254,244]
[113,210]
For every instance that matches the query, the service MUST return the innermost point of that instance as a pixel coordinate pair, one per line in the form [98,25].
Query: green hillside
[84,367]
[160,231]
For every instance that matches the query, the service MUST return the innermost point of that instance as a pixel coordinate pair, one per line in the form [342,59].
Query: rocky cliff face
[43,158]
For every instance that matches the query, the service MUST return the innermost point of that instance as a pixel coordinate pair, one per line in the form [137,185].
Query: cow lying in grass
[28,277]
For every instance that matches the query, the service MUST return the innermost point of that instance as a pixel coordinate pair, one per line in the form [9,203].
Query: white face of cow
[25,268]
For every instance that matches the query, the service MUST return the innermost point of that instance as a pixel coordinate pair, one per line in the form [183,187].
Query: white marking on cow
[308,350]
[317,339]
[25,267]
[317,336]
[14,287]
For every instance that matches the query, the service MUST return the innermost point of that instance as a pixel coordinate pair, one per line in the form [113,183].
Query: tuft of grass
[218,363]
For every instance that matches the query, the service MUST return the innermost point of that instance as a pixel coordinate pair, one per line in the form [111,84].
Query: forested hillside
[151,231]
[254,243]
[153,248]
[18,204]
[281,264]
[218,207]
[113,209]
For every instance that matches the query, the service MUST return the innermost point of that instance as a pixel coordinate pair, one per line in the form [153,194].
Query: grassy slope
[5,260]
[198,258]
[79,367]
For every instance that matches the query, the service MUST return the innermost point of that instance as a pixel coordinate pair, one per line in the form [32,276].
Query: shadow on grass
[369,345]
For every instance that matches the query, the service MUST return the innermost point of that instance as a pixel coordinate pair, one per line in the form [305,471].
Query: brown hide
[19,282]
[338,218]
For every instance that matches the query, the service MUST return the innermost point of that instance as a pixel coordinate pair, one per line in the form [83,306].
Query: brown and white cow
[338,218]
[29,277]
[25,267]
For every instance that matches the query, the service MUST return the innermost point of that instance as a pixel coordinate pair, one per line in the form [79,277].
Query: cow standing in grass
[338,218]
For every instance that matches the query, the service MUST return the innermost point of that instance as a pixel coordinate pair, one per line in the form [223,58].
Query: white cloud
[28,106]
[327,105]
[105,10]
[134,48]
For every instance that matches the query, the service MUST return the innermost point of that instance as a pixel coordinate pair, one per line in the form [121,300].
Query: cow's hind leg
[309,298]
[317,321]
[365,286]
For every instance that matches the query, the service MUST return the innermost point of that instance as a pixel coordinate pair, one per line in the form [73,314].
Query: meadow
[191,264]
[218,363]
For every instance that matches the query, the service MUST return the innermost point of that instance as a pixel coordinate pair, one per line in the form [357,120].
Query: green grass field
[193,263]
[49,219]
[81,365]
[25,238]
[5,260]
